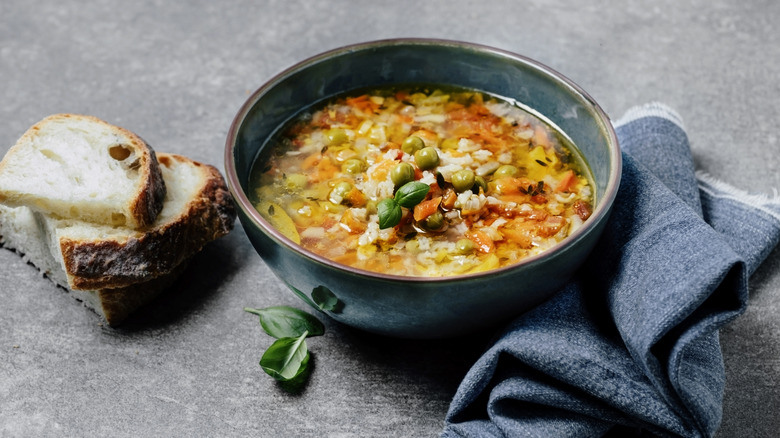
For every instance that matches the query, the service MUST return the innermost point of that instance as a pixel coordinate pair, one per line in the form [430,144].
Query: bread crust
[142,209]
[115,305]
[107,264]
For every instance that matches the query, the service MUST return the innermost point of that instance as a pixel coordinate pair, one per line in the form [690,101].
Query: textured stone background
[177,72]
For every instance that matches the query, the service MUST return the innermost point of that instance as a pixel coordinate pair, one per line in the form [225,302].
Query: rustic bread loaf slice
[23,231]
[80,167]
[115,270]
[198,209]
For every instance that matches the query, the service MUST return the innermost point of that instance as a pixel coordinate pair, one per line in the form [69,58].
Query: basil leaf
[326,300]
[286,358]
[411,193]
[287,322]
[389,213]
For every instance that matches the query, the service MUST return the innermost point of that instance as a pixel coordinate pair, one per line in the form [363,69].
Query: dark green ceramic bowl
[422,307]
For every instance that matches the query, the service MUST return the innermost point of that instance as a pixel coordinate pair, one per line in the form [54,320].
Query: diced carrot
[518,198]
[482,240]
[326,170]
[513,186]
[363,103]
[405,119]
[311,161]
[426,208]
[449,198]
[355,198]
[352,224]
[348,258]
[567,181]
[520,237]
[357,99]
[504,210]
[550,226]
[506,186]
[380,172]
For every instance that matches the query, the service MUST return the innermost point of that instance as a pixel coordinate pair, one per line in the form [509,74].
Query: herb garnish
[408,195]
[288,357]
[532,190]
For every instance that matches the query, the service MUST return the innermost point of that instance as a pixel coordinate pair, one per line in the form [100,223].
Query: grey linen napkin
[631,344]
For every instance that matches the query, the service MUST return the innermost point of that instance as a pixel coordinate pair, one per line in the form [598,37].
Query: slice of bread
[80,167]
[23,231]
[198,209]
[115,270]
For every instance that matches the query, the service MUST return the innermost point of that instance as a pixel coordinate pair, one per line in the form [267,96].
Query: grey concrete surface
[177,72]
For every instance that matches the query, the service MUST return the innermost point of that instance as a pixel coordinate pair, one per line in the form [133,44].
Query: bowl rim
[242,201]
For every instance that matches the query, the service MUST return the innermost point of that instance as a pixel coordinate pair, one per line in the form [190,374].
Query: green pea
[506,170]
[463,180]
[353,166]
[434,221]
[336,136]
[339,191]
[412,144]
[426,158]
[479,182]
[371,206]
[464,246]
[401,174]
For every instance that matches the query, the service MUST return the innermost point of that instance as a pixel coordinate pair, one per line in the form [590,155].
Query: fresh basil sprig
[408,195]
[288,357]
[287,322]
[411,194]
[389,213]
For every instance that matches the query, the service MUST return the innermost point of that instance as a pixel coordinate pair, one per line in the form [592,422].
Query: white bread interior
[197,209]
[80,167]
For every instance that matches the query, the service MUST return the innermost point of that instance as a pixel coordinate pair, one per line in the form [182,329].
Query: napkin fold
[631,343]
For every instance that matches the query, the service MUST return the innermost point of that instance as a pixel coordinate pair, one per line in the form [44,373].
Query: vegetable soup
[422,182]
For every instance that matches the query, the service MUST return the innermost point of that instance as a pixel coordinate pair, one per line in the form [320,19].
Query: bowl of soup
[422,188]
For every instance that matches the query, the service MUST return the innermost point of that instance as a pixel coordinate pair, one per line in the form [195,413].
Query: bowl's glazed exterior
[422,307]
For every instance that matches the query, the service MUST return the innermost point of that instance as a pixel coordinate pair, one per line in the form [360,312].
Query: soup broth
[422,181]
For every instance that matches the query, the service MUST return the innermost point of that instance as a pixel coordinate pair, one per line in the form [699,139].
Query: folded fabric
[631,344]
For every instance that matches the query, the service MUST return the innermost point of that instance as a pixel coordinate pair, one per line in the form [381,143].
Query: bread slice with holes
[197,209]
[115,270]
[80,167]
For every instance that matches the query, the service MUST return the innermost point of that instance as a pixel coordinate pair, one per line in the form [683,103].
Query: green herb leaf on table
[287,322]
[411,194]
[286,358]
[389,213]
